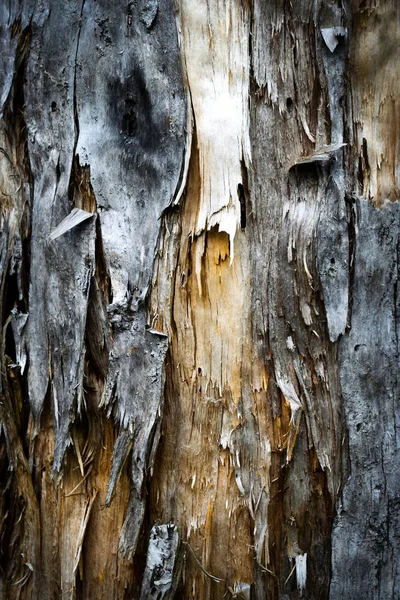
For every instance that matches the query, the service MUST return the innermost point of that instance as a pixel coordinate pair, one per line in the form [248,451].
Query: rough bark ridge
[199,267]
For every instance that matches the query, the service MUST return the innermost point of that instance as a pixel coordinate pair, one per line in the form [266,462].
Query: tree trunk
[199,257]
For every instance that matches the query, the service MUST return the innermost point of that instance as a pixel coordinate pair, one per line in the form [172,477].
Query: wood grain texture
[199,303]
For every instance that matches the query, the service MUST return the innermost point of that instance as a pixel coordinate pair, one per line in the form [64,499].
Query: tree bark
[199,257]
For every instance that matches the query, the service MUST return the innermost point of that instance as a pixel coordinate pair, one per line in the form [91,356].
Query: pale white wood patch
[215,43]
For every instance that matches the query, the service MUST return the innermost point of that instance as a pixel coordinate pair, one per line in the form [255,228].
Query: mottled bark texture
[199,259]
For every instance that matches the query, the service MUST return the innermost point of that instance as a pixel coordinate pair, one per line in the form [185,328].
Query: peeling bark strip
[199,262]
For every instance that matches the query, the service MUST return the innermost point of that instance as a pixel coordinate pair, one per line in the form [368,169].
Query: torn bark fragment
[321,155]
[332,36]
[75,217]
[161,562]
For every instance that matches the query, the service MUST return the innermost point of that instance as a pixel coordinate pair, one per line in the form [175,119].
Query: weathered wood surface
[199,268]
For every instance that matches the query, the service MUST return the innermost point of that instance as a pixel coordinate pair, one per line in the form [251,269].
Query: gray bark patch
[365,542]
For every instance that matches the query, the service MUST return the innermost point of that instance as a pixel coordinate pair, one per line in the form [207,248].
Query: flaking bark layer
[199,261]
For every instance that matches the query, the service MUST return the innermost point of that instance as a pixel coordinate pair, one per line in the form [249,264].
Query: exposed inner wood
[199,257]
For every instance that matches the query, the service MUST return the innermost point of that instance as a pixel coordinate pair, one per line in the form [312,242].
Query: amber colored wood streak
[209,364]
[79,550]
[374,63]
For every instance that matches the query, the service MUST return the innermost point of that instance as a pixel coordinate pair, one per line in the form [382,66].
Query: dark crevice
[101,270]
[289,104]
[58,177]
[365,155]
[75,101]
[364,169]
[360,176]
[243,195]
[396,299]
[250,41]
[58,173]
[352,237]
[242,201]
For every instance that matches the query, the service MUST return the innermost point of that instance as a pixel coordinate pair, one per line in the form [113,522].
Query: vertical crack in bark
[74,99]
[244,195]
[20,540]
[364,173]
[396,296]
[351,207]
